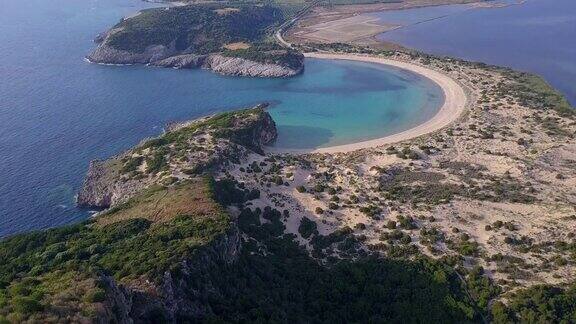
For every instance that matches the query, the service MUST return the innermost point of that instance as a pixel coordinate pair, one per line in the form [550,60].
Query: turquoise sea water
[58,112]
[538,36]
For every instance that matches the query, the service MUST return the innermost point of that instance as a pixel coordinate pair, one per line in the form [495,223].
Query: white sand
[455,101]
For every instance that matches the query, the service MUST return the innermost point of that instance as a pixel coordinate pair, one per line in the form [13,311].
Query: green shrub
[26,305]
[307,228]
[96,296]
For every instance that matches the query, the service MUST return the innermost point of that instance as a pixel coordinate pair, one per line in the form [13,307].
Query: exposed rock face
[168,56]
[174,297]
[255,134]
[107,183]
[101,188]
[242,67]
[96,191]
[108,55]
[184,61]
[228,65]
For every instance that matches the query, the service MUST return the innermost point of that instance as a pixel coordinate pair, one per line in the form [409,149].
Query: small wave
[108,64]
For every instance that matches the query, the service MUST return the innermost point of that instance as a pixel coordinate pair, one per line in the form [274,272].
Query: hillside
[170,252]
[73,272]
[202,226]
[196,36]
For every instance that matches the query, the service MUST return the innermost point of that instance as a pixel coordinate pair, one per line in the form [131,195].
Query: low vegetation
[538,304]
[199,29]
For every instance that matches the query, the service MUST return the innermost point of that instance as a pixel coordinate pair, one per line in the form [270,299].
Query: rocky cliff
[177,296]
[228,65]
[107,54]
[186,150]
[163,56]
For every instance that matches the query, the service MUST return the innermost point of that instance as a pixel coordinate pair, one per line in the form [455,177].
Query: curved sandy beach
[455,102]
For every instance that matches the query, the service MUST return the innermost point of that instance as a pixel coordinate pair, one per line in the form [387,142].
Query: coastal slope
[470,221]
[187,245]
[185,151]
[142,259]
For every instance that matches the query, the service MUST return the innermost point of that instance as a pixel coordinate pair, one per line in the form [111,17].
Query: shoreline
[454,105]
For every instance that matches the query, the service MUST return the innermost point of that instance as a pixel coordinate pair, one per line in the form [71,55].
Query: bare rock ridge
[185,150]
[228,65]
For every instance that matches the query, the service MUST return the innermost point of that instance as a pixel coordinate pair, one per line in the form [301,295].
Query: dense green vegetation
[36,268]
[276,281]
[307,227]
[199,29]
[538,304]
[44,275]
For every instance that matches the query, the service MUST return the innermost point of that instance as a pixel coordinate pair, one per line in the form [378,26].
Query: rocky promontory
[185,150]
[193,37]
[167,56]
[228,65]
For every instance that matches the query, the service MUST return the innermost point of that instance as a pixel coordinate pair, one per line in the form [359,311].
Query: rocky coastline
[111,182]
[169,57]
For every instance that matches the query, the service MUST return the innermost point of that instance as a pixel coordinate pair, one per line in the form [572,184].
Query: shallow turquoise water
[58,112]
[340,102]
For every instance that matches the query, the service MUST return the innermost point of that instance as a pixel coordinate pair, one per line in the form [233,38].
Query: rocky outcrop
[109,184]
[102,189]
[184,61]
[96,190]
[174,297]
[254,134]
[106,54]
[168,56]
[228,65]
[241,67]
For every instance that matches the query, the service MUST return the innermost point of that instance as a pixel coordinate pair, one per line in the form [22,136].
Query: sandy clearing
[455,102]
[348,29]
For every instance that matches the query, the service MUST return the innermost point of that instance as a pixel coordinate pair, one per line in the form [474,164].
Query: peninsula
[226,39]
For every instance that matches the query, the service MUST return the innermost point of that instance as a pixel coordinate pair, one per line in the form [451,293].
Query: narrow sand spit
[455,101]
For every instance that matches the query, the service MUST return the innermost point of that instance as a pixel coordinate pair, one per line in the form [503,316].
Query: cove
[58,112]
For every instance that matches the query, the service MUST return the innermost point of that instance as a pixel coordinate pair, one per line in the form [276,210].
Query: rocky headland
[162,56]
[193,37]
[184,151]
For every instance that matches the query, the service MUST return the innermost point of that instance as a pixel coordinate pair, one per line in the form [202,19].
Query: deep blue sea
[538,36]
[58,112]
